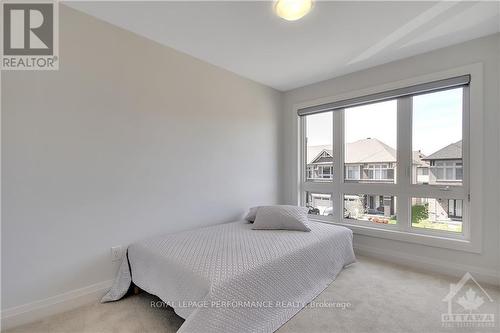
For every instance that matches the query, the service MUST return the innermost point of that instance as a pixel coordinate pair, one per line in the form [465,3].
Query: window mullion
[466,162]
[338,164]
[404,162]
[303,158]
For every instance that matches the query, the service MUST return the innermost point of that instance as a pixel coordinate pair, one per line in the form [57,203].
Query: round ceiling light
[292,10]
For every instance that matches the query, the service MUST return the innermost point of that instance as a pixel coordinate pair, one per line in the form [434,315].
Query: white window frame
[471,191]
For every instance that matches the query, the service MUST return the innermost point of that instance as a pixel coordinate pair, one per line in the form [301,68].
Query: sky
[437,122]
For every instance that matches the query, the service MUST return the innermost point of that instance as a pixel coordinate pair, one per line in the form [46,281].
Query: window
[373,208]
[319,172]
[353,172]
[422,176]
[422,171]
[455,209]
[380,172]
[319,138]
[370,141]
[437,135]
[403,157]
[447,171]
[437,214]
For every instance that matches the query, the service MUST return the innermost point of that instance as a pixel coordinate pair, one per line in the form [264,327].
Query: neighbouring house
[446,165]
[445,169]
[372,161]
[366,161]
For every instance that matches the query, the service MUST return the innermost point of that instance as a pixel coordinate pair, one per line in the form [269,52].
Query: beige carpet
[382,297]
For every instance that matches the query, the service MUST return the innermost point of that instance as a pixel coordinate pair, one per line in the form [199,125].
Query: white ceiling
[336,38]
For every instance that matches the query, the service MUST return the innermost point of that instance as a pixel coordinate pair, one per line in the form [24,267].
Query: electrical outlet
[116,253]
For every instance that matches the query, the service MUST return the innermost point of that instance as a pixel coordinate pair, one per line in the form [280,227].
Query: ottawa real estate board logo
[30,35]
[469,306]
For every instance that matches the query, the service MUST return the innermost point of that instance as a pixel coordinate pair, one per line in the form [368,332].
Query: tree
[419,213]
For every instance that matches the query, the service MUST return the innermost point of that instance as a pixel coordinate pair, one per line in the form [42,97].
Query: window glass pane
[423,172]
[370,136]
[379,209]
[449,173]
[437,214]
[437,137]
[319,137]
[451,207]
[319,203]
[458,208]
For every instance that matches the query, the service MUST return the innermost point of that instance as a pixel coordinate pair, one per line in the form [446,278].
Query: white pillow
[282,217]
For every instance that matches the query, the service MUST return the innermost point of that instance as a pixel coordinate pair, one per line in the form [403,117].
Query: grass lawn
[433,225]
[438,226]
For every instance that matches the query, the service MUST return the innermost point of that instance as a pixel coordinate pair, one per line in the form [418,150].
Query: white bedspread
[229,278]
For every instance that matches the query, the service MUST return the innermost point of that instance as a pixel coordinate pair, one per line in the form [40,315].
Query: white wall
[127,140]
[485,50]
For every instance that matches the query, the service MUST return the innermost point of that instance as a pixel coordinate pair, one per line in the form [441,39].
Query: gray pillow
[252,213]
[282,217]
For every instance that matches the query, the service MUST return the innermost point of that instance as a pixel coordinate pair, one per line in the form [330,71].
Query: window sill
[409,237]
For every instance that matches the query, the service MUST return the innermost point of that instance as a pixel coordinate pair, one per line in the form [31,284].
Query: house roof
[451,152]
[368,150]
[419,158]
[315,152]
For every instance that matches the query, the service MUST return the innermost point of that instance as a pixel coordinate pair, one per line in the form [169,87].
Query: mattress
[230,278]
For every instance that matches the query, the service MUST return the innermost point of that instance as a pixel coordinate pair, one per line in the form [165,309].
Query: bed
[230,278]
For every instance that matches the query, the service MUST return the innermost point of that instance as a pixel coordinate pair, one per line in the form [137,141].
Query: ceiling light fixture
[292,10]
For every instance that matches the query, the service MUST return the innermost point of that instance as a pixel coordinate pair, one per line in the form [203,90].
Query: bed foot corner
[136,290]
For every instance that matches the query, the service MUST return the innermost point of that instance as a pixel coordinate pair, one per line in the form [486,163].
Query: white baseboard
[489,276]
[37,310]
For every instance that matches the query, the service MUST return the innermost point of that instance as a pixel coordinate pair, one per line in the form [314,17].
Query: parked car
[328,211]
[313,210]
